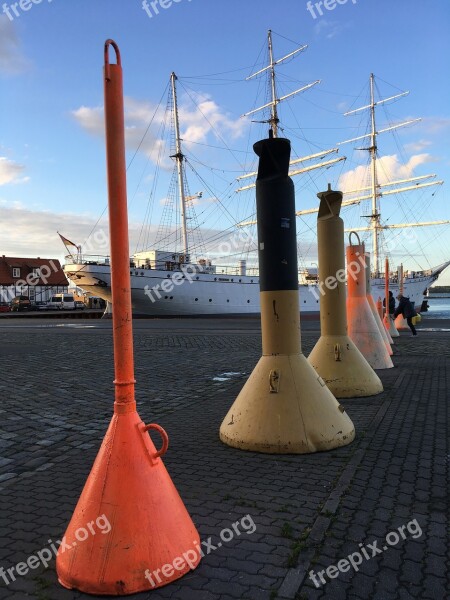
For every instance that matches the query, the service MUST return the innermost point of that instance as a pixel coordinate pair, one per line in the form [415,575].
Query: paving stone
[395,472]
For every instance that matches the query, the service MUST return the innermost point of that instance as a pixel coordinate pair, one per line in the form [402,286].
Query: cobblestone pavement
[310,511]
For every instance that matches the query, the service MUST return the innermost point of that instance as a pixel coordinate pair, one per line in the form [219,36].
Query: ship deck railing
[218,269]
[168,266]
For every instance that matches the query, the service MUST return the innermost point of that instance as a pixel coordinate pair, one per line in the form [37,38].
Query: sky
[52,156]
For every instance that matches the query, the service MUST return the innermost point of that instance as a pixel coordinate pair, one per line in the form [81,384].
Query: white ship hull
[160,293]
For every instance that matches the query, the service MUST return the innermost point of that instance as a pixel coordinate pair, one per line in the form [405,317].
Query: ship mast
[375,188]
[274,120]
[179,157]
[375,216]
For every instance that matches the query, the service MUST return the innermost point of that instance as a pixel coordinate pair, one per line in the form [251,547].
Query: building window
[37,273]
[16,272]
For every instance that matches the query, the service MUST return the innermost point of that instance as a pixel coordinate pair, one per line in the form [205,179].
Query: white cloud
[389,168]
[91,119]
[196,125]
[12,60]
[10,172]
[417,146]
[137,117]
[435,124]
[34,233]
[330,28]
[209,118]
[343,107]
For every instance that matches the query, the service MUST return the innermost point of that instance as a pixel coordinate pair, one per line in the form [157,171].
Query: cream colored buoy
[335,357]
[285,406]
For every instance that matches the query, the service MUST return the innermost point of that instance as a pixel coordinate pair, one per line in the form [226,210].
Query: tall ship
[178,276]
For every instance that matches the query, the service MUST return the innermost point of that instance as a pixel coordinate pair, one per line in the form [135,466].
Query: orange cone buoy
[151,540]
[373,307]
[362,327]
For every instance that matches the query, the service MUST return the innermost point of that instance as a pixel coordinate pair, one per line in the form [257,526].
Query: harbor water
[438,308]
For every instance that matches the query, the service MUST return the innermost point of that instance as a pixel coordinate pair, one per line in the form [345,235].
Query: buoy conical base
[364,332]
[285,407]
[150,528]
[379,323]
[343,368]
[390,326]
[401,324]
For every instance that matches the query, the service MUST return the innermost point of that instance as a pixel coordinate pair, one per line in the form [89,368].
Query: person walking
[406,308]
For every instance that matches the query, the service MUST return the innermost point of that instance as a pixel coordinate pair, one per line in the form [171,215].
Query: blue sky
[52,165]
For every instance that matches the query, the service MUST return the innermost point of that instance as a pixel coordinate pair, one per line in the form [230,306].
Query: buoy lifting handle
[112,43]
[164,436]
[350,238]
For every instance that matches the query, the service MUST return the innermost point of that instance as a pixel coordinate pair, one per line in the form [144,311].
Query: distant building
[36,278]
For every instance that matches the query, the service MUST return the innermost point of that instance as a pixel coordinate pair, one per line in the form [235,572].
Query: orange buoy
[151,539]
[362,327]
[373,307]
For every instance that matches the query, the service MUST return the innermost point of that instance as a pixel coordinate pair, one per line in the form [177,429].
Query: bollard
[284,407]
[128,486]
[362,327]
[335,357]
[373,307]
[388,320]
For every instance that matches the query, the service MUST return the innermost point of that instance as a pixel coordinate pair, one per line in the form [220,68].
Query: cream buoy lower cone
[374,309]
[362,327]
[284,407]
[335,357]
[151,539]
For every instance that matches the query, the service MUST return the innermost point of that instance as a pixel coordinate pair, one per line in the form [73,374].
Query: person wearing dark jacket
[406,308]
[391,303]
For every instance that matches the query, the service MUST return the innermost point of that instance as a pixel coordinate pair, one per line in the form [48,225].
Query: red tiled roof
[53,273]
